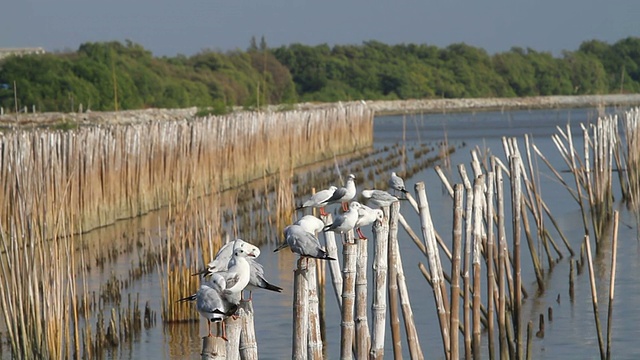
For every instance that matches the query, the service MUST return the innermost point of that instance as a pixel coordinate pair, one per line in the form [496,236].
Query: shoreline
[380,107]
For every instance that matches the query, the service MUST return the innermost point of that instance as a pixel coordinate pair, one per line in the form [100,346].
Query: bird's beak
[252,254]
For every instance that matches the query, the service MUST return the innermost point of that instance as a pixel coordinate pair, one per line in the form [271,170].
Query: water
[571,334]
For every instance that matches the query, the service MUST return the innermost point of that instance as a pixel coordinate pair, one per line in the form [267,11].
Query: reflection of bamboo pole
[300,311]
[594,297]
[363,338]
[435,266]
[455,269]
[392,286]
[612,280]
[314,345]
[379,304]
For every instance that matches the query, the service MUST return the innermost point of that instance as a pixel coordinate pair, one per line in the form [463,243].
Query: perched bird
[311,224]
[238,274]
[366,216]
[303,243]
[345,222]
[211,304]
[396,183]
[344,194]
[379,197]
[224,260]
[317,200]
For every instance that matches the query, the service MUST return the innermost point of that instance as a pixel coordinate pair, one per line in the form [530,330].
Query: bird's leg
[250,295]
[224,330]
[345,206]
[360,234]
[209,325]
[322,212]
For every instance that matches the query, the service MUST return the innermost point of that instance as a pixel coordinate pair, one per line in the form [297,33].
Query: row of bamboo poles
[57,184]
[486,249]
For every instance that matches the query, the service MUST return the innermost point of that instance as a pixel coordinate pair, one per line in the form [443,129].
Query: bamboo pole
[393,281]
[363,337]
[379,304]
[334,265]
[455,269]
[213,348]
[300,311]
[502,261]
[477,244]
[466,277]
[594,297]
[347,326]
[234,329]
[435,265]
[516,200]
[248,343]
[314,343]
[491,283]
[532,249]
[612,281]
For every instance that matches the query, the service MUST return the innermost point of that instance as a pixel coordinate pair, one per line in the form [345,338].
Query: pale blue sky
[188,26]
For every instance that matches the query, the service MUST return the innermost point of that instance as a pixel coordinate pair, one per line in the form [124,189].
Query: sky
[187,27]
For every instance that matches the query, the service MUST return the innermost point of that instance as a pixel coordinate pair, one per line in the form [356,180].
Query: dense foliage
[107,76]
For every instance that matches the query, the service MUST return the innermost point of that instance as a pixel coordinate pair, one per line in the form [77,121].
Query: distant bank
[380,107]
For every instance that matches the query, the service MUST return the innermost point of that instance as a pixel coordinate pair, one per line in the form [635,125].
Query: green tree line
[112,75]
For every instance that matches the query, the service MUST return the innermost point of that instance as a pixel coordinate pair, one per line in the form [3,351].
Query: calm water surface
[571,334]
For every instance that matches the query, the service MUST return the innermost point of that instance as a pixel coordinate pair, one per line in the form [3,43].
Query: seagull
[224,260]
[317,200]
[343,194]
[310,224]
[303,243]
[379,197]
[366,216]
[237,275]
[210,303]
[345,222]
[396,183]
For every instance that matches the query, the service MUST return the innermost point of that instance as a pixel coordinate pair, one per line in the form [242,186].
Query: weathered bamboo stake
[347,326]
[412,234]
[502,250]
[466,276]
[234,329]
[532,249]
[363,337]
[439,239]
[213,348]
[516,201]
[334,265]
[415,350]
[458,200]
[612,280]
[594,297]
[392,286]
[314,344]
[248,343]
[300,311]
[477,244]
[435,266]
[379,304]
[491,282]
[444,180]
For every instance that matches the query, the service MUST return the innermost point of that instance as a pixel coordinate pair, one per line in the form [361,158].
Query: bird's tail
[327,227]
[188,298]
[404,191]
[322,255]
[281,246]
[272,287]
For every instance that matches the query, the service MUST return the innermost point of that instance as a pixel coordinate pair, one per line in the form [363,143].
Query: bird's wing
[337,195]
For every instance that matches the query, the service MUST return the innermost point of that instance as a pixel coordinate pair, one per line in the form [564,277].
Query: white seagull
[344,194]
[345,222]
[224,260]
[366,216]
[310,224]
[317,200]
[210,303]
[396,183]
[379,197]
[238,275]
[303,243]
